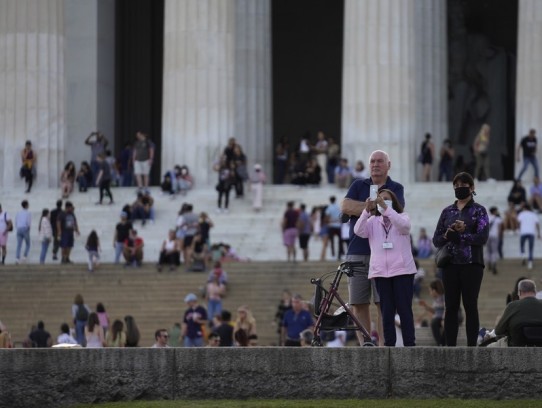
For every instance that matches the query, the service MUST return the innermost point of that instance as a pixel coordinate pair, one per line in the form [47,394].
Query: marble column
[198,103]
[217,83]
[31,88]
[430,75]
[378,109]
[253,81]
[529,69]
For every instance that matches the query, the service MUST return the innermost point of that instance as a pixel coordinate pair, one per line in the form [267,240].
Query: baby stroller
[342,319]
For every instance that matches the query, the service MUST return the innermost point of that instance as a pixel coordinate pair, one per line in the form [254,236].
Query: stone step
[29,293]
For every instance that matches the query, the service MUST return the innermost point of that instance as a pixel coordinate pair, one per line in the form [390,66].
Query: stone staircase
[255,235]
[29,293]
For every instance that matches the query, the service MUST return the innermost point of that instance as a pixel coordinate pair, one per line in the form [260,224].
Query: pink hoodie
[386,263]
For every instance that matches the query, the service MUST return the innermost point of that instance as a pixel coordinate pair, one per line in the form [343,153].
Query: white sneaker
[530,265]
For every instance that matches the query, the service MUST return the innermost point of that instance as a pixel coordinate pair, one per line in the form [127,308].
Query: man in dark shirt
[103,180]
[56,238]
[528,144]
[122,232]
[66,226]
[289,230]
[527,311]
[225,329]
[40,337]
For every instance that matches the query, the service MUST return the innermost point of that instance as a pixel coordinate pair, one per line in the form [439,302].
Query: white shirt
[495,226]
[528,221]
[65,339]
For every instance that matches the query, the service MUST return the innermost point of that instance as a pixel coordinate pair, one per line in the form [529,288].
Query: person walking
[66,227]
[103,179]
[56,236]
[289,230]
[528,228]
[359,250]
[463,227]
[528,145]
[45,231]
[23,221]
[391,265]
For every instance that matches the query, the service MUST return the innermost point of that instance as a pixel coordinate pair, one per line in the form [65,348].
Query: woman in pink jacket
[392,264]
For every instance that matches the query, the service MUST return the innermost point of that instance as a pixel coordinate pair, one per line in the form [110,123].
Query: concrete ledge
[63,377]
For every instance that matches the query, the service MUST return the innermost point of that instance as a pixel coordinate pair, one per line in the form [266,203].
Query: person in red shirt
[133,249]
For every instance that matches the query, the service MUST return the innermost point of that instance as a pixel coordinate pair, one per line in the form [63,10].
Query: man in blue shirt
[294,322]
[359,252]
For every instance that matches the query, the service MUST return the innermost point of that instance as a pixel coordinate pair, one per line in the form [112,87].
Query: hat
[190,298]
[257,167]
[124,214]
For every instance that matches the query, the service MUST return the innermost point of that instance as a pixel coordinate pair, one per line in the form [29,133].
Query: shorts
[288,236]
[359,285]
[188,240]
[304,241]
[66,239]
[142,167]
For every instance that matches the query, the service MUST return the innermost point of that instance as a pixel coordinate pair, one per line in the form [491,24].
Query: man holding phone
[359,252]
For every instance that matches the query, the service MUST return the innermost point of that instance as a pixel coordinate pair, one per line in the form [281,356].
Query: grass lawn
[399,403]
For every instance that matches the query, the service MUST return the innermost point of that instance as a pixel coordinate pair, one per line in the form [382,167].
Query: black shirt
[123,231]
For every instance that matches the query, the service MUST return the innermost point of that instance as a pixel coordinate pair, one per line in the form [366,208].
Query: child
[93,249]
[436,289]
[103,317]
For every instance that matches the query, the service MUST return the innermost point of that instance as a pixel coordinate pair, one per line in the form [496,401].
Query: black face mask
[462,192]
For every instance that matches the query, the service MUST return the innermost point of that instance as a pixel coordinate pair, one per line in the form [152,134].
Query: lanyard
[386,230]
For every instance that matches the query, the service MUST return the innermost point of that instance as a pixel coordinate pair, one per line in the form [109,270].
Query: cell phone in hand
[373,192]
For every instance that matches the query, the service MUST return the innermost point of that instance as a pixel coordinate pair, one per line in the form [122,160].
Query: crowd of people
[369,228]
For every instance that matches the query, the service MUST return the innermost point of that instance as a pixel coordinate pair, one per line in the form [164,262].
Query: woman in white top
[94,333]
[170,253]
[45,234]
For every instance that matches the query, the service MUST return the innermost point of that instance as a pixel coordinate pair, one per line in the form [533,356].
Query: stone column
[198,99]
[253,81]
[529,68]
[430,75]
[378,83]
[31,88]
[217,83]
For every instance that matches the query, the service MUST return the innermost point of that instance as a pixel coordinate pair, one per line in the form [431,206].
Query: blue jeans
[23,234]
[44,247]
[530,240]
[396,295]
[196,342]
[80,332]
[526,161]
[214,307]
[118,251]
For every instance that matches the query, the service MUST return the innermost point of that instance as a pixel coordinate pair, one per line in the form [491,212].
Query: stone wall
[63,377]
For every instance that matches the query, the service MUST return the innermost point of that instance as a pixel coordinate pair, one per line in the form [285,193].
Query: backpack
[82,313]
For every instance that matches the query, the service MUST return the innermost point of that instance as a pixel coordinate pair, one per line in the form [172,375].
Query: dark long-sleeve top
[466,247]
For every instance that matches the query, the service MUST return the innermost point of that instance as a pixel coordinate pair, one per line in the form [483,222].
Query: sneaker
[55,258]
[524,262]
[530,265]
[226,211]
[16,262]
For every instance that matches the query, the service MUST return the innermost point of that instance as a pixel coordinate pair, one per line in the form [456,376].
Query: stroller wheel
[368,344]
[316,342]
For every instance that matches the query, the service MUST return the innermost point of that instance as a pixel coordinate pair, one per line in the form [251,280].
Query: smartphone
[373,192]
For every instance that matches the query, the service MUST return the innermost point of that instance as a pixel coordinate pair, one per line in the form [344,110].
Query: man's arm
[352,207]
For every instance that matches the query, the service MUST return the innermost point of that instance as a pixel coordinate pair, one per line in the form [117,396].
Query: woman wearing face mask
[464,228]
[392,265]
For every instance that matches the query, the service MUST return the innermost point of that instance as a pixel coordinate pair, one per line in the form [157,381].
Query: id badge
[387,245]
